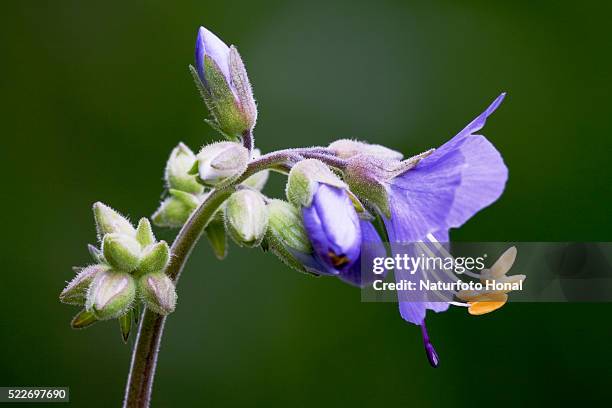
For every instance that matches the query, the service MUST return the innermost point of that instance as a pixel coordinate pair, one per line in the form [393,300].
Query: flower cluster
[128,267]
[338,199]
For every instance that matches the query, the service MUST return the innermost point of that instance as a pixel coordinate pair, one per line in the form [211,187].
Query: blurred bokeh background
[96,94]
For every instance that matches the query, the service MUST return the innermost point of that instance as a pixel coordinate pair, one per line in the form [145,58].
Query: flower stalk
[143,363]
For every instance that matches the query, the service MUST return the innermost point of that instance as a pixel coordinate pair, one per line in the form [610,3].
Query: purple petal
[209,44]
[448,187]
[372,247]
[332,225]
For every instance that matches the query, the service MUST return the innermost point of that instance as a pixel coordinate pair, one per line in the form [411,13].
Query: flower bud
[246,217]
[158,292]
[346,148]
[223,82]
[111,294]
[222,161]
[110,221]
[75,292]
[304,179]
[155,257]
[177,174]
[258,180]
[121,252]
[175,210]
[144,233]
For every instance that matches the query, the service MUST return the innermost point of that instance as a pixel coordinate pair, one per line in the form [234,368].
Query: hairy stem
[146,348]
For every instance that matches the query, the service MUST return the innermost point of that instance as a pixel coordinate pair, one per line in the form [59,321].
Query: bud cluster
[129,267]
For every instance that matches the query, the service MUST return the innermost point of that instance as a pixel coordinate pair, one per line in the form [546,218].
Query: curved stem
[146,348]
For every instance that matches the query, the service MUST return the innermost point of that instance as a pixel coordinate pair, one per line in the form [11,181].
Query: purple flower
[332,225]
[443,191]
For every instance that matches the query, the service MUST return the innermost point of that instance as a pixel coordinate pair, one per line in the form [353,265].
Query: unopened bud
[246,217]
[158,292]
[222,161]
[155,257]
[177,174]
[110,221]
[223,82]
[75,293]
[121,252]
[175,210]
[111,294]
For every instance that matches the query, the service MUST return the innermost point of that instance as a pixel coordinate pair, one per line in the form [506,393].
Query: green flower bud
[175,210]
[304,178]
[246,217]
[111,294]
[144,233]
[177,174]
[110,221]
[222,161]
[155,257]
[158,292]
[258,180]
[346,149]
[75,292]
[122,252]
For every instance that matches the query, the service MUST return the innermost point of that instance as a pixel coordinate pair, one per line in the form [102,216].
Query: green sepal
[125,326]
[83,319]
[154,257]
[121,252]
[144,233]
[215,232]
[75,293]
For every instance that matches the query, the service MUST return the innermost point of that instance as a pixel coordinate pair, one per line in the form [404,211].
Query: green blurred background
[96,94]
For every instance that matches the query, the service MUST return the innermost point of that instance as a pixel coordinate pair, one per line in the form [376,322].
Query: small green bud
[246,217]
[75,292]
[83,319]
[155,257]
[111,294]
[175,210]
[125,326]
[177,174]
[121,252]
[258,180]
[222,161]
[346,149]
[304,178]
[144,233]
[110,221]
[158,292]
[285,225]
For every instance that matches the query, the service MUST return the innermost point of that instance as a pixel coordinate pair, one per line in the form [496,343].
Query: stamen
[430,351]
[337,260]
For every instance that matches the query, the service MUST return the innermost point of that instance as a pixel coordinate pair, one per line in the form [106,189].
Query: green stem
[146,348]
